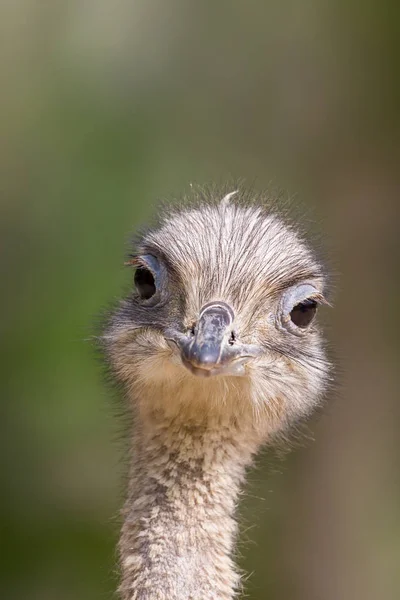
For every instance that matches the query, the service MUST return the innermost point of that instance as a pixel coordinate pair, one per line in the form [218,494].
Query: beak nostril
[232,338]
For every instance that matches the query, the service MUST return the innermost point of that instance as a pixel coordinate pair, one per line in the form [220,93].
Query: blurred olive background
[106,107]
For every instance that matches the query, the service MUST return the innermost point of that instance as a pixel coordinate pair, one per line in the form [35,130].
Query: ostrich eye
[149,277]
[145,283]
[298,307]
[303,313]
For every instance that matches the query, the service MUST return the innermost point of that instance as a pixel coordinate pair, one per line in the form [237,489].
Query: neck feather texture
[179,528]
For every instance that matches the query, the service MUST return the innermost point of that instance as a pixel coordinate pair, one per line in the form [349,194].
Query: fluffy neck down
[179,528]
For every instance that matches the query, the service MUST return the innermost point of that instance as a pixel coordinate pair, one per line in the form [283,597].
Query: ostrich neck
[179,527]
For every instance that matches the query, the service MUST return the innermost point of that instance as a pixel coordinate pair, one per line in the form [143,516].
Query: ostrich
[218,353]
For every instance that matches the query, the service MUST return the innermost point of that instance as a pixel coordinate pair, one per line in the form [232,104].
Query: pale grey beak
[211,348]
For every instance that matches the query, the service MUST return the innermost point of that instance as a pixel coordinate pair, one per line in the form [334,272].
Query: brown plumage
[218,352]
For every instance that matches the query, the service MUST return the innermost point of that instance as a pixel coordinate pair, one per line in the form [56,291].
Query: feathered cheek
[139,351]
[276,373]
[155,362]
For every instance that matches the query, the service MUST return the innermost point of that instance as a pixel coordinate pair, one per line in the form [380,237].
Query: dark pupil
[144,282]
[303,313]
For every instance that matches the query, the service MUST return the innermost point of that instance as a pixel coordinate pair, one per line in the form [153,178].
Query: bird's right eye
[145,283]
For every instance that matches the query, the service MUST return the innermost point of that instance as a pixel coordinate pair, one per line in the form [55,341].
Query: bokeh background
[106,107]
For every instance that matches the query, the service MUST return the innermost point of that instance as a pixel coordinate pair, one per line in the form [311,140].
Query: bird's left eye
[298,307]
[303,313]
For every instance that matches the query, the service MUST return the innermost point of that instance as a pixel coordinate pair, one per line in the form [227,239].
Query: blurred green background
[106,107]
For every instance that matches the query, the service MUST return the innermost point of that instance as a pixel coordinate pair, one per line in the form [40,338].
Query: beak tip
[204,356]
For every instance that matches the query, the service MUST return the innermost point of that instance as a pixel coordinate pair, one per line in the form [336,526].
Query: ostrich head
[221,318]
[218,349]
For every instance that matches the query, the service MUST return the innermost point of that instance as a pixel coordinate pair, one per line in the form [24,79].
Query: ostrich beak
[211,349]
